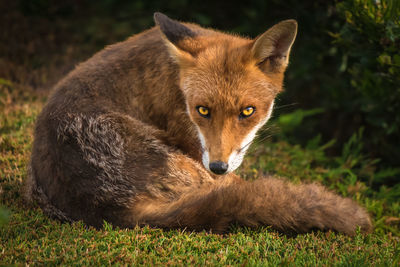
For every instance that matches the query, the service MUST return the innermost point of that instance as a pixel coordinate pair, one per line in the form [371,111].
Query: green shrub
[369,45]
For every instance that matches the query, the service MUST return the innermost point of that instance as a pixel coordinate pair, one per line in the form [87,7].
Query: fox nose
[218,167]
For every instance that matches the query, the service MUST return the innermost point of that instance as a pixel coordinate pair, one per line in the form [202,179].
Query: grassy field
[29,237]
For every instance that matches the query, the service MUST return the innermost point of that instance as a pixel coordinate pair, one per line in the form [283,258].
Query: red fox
[149,131]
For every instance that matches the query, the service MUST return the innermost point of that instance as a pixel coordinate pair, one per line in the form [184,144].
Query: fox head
[229,84]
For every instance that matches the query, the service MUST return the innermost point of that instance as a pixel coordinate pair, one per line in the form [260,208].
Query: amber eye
[203,111]
[247,112]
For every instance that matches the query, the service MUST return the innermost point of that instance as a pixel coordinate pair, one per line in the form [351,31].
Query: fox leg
[284,206]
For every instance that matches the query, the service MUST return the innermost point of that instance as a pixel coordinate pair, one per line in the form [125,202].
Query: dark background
[343,81]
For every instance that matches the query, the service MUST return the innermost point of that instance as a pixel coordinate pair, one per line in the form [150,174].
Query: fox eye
[203,111]
[247,112]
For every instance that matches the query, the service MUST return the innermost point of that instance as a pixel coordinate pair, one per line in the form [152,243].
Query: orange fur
[121,139]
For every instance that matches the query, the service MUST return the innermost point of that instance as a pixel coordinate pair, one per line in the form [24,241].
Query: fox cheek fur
[134,134]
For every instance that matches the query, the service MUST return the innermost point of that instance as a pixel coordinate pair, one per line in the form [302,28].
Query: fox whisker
[286,105]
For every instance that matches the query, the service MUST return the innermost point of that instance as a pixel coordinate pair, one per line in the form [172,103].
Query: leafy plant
[369,42]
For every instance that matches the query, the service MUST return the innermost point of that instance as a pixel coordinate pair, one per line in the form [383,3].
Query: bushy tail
[269,201]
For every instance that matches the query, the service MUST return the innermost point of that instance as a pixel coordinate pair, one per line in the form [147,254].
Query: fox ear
[271,49]
[177,38]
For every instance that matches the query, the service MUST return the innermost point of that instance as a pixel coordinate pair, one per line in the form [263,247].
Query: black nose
[218,167]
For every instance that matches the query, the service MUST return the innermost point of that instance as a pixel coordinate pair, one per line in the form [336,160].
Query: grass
[29,237]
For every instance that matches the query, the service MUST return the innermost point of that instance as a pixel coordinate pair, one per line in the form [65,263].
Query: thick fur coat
[121,140]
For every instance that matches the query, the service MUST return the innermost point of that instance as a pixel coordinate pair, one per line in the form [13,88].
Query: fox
[149,131]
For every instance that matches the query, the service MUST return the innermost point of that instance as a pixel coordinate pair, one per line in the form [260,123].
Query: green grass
[29,237]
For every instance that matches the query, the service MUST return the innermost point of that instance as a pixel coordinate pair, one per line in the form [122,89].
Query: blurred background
[342,87]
